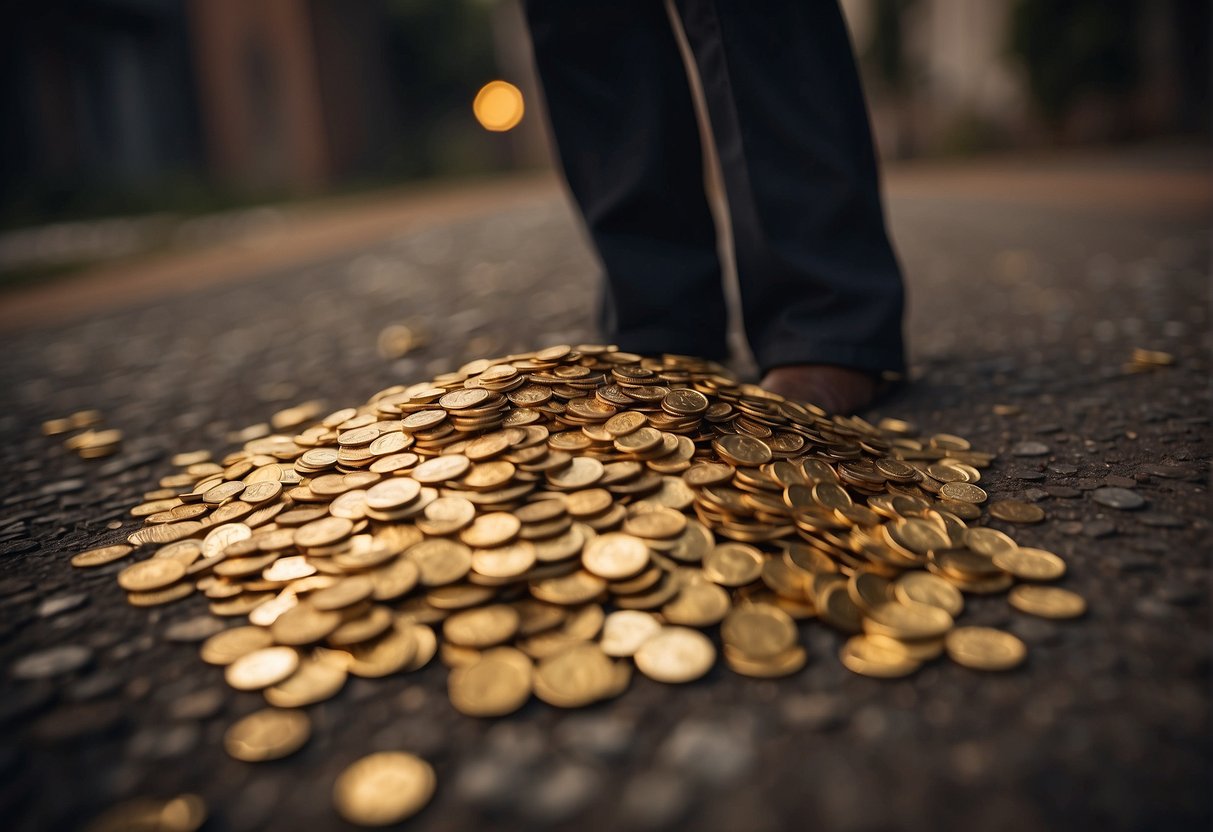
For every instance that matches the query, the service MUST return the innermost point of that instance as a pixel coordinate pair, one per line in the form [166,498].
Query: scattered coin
[1121,499]
[384,788]
[984,648]
[268,734]
[567,516]
[1047,601]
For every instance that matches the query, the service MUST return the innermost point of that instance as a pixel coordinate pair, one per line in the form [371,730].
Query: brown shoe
[839,390]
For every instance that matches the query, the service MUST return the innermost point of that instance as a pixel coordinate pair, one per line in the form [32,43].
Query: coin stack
[548,523]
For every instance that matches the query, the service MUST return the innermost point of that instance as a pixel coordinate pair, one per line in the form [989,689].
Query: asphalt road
[1031,285]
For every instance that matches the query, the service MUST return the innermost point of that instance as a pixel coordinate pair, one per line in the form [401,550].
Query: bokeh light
[498,106]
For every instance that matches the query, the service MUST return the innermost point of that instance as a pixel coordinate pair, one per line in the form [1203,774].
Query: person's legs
[819,281]
[621,111]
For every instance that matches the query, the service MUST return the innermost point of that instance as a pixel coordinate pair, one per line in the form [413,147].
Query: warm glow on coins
[498,106]
[548,523]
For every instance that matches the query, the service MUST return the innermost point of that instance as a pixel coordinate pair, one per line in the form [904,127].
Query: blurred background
[162,122]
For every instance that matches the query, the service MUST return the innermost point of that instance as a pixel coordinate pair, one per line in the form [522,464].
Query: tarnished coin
[269,734]
[1016,511]
[383,788]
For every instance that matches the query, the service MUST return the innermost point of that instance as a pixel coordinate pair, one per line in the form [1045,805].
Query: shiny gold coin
[262,668]
[675,655]
[270,734]
[1031,564]
[733,564]
[1047,601]
[988,542]
[964,492]
[759,631]
[389,653]
[147,575]
[226,646]
[984,648]
[440,561]
[575,677]
[866,657]
[304,624]
[101,555]
[489,530]
[925,588]
[625,630]
[786,663]
[907,621]
[383,788]
[740,449]
[615,556]
[495,685]
[697,605]
[482,627]
[316,680]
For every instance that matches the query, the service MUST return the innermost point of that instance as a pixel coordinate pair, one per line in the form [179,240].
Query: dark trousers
[819,281]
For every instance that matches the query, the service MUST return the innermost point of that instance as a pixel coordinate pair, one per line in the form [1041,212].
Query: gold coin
[1016,511]
[495,685]
[440,561]
[575,677]
[733,564]
[482,627]
[1031,564]
[262,668]
[925,588]
[740,449]
[625,630]
[270,734]
[582,472]
[675,655]
[1047,601]
[226,646]
[988,542]
[907,621]
[984,648]
[697,605]
[615,556]
[494,529]
[964,492]
[389,653]
[101,555]
[383,788]
[782,664]
[863,655]
[304,624]
[323,532]
[316,680]
[759,631]
[147,575]
[346,592]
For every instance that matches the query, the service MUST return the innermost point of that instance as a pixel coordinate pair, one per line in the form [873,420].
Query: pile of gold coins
[547,524]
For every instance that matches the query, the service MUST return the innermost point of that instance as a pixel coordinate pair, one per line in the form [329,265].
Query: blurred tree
[439,54]
[1074,47]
